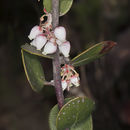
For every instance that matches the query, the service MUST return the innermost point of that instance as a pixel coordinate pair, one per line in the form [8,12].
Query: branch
[55,13]
[51,83]
[56,61]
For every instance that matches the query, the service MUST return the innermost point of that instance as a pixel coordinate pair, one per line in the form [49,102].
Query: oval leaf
[33,70]
[65,6]
[93,53]
[32,50]
[87,124]
[53,115]
[74,112]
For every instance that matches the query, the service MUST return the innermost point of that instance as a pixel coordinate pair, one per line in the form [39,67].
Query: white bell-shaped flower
[36,30]
[65,48]
[49,48]
[75,80]
[64,84]
[40,41]
[60,33]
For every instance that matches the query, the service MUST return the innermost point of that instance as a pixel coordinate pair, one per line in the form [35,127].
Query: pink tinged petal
[40,41]
[36,30]
[49,48]
[75,80]
[60,33]
[69,83]
[65,48]
[64,84]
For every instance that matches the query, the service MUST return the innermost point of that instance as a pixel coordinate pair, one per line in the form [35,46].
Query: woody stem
[56,60]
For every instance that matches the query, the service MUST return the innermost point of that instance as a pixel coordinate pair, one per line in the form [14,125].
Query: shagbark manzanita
[49,41]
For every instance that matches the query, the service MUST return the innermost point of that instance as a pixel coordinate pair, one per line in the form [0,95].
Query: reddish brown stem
[56,61]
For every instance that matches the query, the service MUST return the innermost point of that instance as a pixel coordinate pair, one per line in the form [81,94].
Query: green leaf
[93,53]
[33,71]
[32,50]
[53,115]
[74,113]
[65,6]
[85,125]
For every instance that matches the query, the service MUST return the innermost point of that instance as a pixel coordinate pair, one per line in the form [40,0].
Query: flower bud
[36,30]
[40,41]
[60,33]
[49,48]
[48,24]
[64,84]
[65,48]
[75,80]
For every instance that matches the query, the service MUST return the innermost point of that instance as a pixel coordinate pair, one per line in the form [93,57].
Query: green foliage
[85,125]
[75,114]
[32,50]
[93,53]
[52,117]
[65,6]
[33,70]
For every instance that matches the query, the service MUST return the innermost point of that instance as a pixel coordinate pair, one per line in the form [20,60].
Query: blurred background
[106,81]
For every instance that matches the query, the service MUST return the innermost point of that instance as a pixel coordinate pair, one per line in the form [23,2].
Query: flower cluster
[47,40]
[69,77]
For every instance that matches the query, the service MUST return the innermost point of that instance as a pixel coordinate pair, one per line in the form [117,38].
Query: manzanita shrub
[48,41]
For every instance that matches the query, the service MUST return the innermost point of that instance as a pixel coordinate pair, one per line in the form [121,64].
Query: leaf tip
[108,45]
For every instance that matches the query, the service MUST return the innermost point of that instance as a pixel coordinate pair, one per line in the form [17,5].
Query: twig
[56,60]
[51,83]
